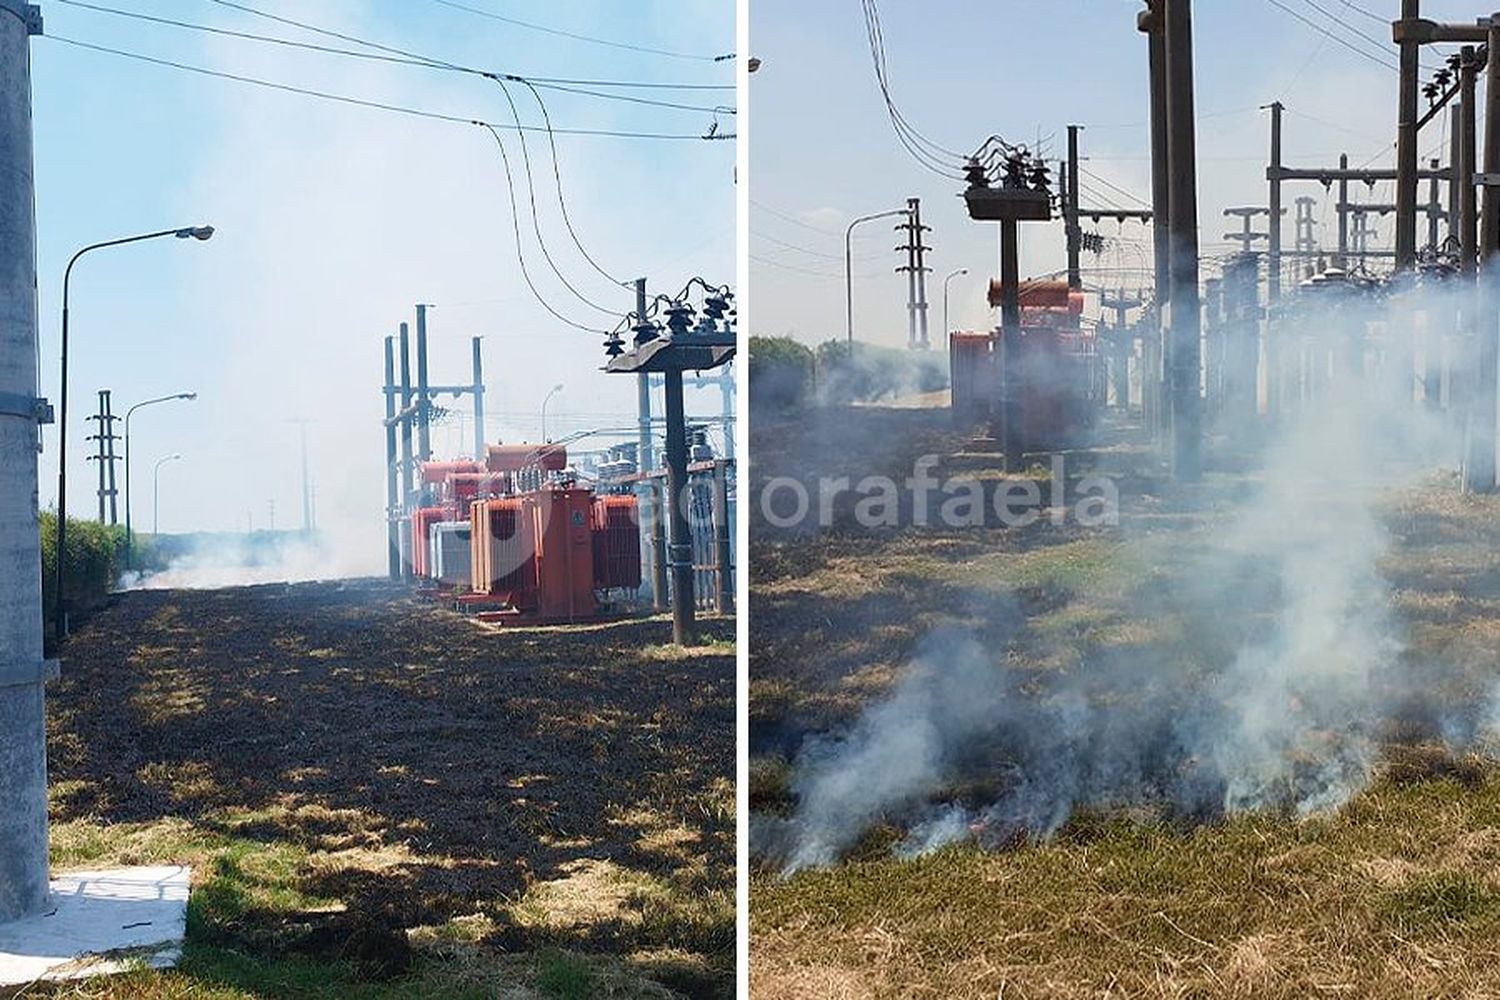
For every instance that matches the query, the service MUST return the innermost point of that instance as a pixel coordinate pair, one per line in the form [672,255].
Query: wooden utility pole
[1406,143]
[1184,352]
[1151,22]
[1479,465]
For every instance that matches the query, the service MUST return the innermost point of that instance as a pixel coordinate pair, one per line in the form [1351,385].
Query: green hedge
[781,373]
[95,559]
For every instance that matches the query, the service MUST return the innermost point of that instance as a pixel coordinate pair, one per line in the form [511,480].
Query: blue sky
[824,152]
[333,221]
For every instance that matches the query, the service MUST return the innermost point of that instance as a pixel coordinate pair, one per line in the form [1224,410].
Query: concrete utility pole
[105,456]
[1343,258]
[1455,128]
[307,512]
[916,275]
[1305,241]
[1121,302]
[23,739]
[1185,350]
[1273,252]
[680,545]
[1434,206]
[1468,209]
[392,469]
[407,464]
[478,391]
[1479,467]
[652,511]
[1247,236]
[424,400]
[1154,413]
[1070,216]
[1406,142]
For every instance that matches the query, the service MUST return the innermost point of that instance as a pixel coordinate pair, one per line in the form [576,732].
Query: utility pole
[1343,216]
[916,275]
[1273,253]
[1247,236]
[1121,303]
[1455,129]
[1406,142]
[307,514]
[1468,208]
[1070,212]
[424,401]
[1151,23]
[406,469]
[1305,241]
[106,458]
[653,524]
[1185,349]
[23,740]
[477,390]
[1479,467]
[392,485]
[1434,206]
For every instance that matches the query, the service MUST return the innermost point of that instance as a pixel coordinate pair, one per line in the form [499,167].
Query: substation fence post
[723,533]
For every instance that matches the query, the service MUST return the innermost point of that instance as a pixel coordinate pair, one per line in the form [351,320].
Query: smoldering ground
[1276,679]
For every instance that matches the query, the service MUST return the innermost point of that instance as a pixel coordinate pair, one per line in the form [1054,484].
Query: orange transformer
[422,520]
[1054,368]
[501,549]
[617,543]
[535,553]
[564,553]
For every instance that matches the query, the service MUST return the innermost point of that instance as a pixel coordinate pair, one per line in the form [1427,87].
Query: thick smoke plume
[1277,701]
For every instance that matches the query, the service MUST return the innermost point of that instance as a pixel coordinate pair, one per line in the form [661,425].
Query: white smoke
[1298,670]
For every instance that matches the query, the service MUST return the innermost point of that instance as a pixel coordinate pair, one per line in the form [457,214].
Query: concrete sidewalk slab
[98,923]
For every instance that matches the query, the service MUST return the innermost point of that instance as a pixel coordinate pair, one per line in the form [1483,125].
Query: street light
[849,267]
[545,400]
[946,331]
[129,530]
[155,483]
[60,619]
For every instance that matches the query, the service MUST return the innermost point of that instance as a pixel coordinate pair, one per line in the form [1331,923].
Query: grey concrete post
[23,745]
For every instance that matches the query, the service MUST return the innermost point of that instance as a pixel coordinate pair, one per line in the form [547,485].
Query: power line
[1113,187]
[536,224]
[1378,43]
[1333,37]
[581,38]
[791,218]
[793,246]
[520,255]
[377,105]
[561,202]
[927,153]
[397,57]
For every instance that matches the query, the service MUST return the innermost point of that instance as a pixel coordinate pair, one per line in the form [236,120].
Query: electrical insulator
[614,346]
[974,173]
[1041,178]
[715,306]
[646,332]
[679,318]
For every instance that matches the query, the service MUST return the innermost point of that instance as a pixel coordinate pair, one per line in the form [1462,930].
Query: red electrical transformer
[536,555]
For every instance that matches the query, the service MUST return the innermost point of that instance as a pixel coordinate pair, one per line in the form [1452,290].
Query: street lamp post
[60,619]
[155,492]
[849,267]
[129,529]
[946,331]
[545,400]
